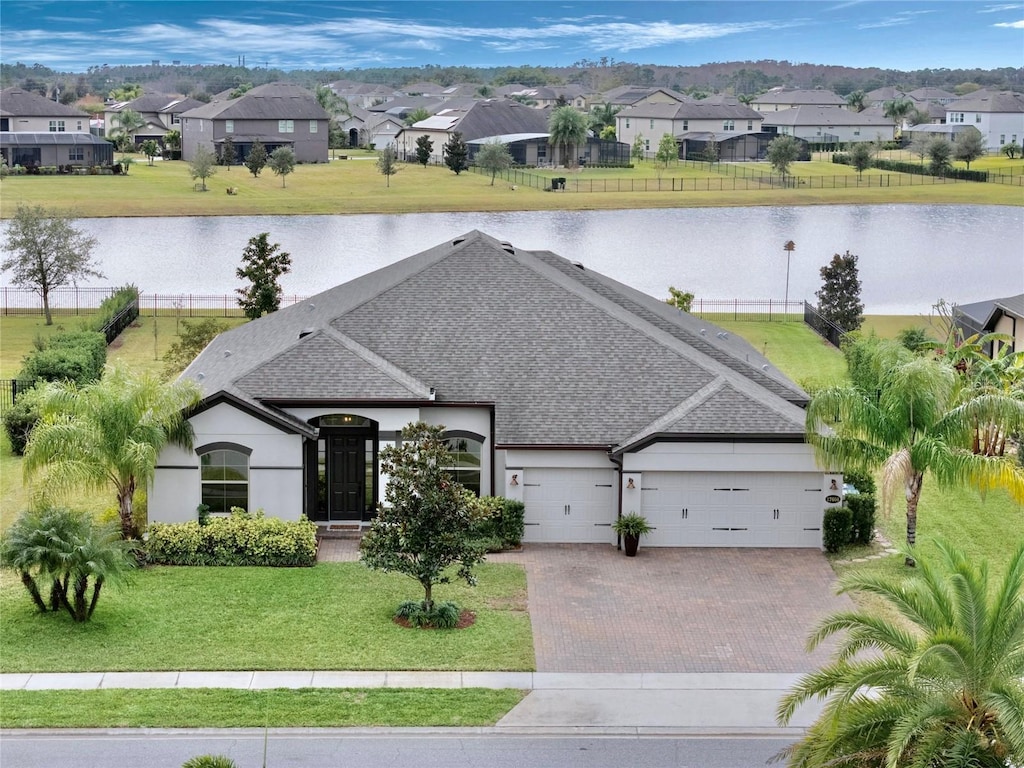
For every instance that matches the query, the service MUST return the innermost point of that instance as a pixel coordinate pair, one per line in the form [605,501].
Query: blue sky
[911,34]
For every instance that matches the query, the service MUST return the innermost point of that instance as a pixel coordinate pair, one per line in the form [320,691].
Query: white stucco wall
[723,457]
[42,124]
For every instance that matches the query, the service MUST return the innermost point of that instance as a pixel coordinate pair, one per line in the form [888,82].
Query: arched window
[465,449]
[224,475]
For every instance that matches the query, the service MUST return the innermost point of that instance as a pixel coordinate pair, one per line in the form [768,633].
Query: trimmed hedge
[77,356]
[862,511]
[837,527]
[239,539]
[501,522]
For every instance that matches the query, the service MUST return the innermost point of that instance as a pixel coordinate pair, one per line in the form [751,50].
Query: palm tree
[897,109]
[906,414]
[332,103]
[602,116]
[109,432]
[567,127]
[856,101]
[128,121]
[941,687]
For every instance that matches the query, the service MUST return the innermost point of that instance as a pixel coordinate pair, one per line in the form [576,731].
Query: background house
[160,111]
[831,125]
[35,131]
[779,99]
[651,121]
[994,316]
[277,114]
[998,115]
[557,385]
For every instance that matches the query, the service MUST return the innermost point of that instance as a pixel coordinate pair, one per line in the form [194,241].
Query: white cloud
[998,8]
[1010,24]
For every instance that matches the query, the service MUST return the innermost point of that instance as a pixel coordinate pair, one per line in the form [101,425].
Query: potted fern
[631,527]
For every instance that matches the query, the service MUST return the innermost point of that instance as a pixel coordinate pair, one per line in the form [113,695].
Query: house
[632,95]
[481,119]
[35,132]
[651,121]
[831,125]
[731,147]
[277,114]
[160,111]
[879,96]
[550,95]
[994,316]
[931,96]
[363,95]
[779,99]
[998,115]
[558,386]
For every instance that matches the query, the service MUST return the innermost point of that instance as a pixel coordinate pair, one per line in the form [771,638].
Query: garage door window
[465,451]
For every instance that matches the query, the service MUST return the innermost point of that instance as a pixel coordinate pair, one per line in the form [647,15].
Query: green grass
[355,186]
[276,708]
[331,616]
[795,349]
[888,326]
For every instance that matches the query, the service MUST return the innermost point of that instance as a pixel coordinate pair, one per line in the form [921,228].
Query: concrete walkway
[590,702]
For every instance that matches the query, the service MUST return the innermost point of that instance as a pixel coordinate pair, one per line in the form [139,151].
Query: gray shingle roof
[826,116]
[158,102]
[567,356]
[989,101]
[496,117]
[25,139]
[17,102]
[693,110]
[800,96]
[273,101]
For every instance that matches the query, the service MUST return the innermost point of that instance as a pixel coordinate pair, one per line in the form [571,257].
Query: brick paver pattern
[669,610]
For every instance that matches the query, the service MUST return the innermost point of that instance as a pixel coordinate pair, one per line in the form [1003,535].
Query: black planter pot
[630,543]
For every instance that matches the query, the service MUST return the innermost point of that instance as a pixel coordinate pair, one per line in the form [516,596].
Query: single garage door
[575,506]
[733,509]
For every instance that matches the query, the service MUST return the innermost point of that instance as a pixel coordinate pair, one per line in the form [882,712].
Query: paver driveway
[675,610]
[669,610]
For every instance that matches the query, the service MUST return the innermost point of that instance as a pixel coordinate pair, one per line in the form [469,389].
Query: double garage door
[733,509]
[573,506]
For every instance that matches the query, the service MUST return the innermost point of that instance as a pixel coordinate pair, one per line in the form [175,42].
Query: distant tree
[193,338]
[567,129]
[424,149]
[282,162]
[602,116]
[746,98]
[256,160]
[679,299]
[263,264]
[969,145]
[939,153]
[608,133]
[639,147]
[109,432]
[227,152]
[711,152]
[860,156]
[782,152]
[668,151]
[202,165]
[331,102]
[387,162]
[494,157]
[856,101]
[839,295]
[337,137]
[897,110]
[964,88]
[126,92]
[46,251]
[426,525]
[484,92]
[919,145]
[456,153]
[240,90]
[150,149]
[1011,150]
[918,116]
[172,140]
[128,121]
[417,115]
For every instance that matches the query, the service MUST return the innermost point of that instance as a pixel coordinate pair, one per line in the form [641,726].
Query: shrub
[837,527]
[914,339]
[110,307]
[209,761]
[443,615]
[500,522]
[862,518]
[192,339]
[20,419]
[91,342]
[59,365]
[239,539]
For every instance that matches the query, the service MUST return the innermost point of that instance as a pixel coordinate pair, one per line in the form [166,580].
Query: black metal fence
[751,310]
[83,301]
[120,321]
[9,390]
[828,330]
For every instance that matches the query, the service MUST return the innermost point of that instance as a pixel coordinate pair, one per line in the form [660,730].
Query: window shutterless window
[465,462]
[224,474]
[313,126]
[229,126]
[286,126]
[686,125]
[76,153]
[57,126]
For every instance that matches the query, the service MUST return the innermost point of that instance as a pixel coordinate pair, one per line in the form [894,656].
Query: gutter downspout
[617,461]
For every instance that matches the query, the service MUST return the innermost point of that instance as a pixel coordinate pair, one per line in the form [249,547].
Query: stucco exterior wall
[723,457]
[19,124]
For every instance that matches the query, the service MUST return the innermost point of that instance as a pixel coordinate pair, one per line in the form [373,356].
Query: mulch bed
[466,619]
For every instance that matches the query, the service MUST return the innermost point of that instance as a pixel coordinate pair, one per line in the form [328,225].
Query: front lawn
[335,616]
[277,708]
[795,349]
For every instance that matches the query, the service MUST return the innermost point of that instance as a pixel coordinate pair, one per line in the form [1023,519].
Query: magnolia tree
[427,521]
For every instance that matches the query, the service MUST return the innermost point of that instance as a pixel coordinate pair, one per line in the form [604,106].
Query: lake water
[910,255]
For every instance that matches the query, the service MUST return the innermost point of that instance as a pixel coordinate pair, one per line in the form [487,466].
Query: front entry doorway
[346,477]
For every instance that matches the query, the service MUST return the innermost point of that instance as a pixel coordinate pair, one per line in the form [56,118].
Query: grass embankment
[277,708]
[355,186]
[332,616]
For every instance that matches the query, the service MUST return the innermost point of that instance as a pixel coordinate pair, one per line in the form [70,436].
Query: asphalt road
[328,748]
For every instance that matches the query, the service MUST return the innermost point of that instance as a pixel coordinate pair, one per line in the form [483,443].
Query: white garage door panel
[733,509]
[575,506]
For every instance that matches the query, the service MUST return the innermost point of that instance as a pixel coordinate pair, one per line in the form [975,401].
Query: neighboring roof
[424,88]
[566,356]
[273,101]
[930,94]
[826,116]
[798,96]
[692,110]
[942,129]
[981,311]
[886,93]
[157,102]
[726,136]
[509,138]
[492,117]
[989,101]
[631,94]
[17,102]
[25,139]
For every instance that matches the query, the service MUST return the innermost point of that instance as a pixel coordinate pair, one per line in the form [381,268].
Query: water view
[910,255]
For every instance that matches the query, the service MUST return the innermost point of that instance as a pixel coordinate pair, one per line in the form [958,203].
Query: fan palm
[908,415]
[567,127]
[128,121]
[940,688]
[109,432]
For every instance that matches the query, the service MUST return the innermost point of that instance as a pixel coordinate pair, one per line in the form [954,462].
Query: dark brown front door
[347,477]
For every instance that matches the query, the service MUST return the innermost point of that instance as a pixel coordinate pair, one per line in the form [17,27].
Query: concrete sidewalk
[605,702]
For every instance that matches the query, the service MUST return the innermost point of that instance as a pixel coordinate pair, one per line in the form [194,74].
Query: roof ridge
[381,363]
[674,414]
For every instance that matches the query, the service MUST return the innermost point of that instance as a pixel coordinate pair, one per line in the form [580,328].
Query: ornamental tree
[494,157]
[424,149]
[839,295]
[783,151]
[387,163]
[262,266]
[860,156]
[282,162]
[969,146]
[426,524]
[456,153]
[202,165]
[256,160]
